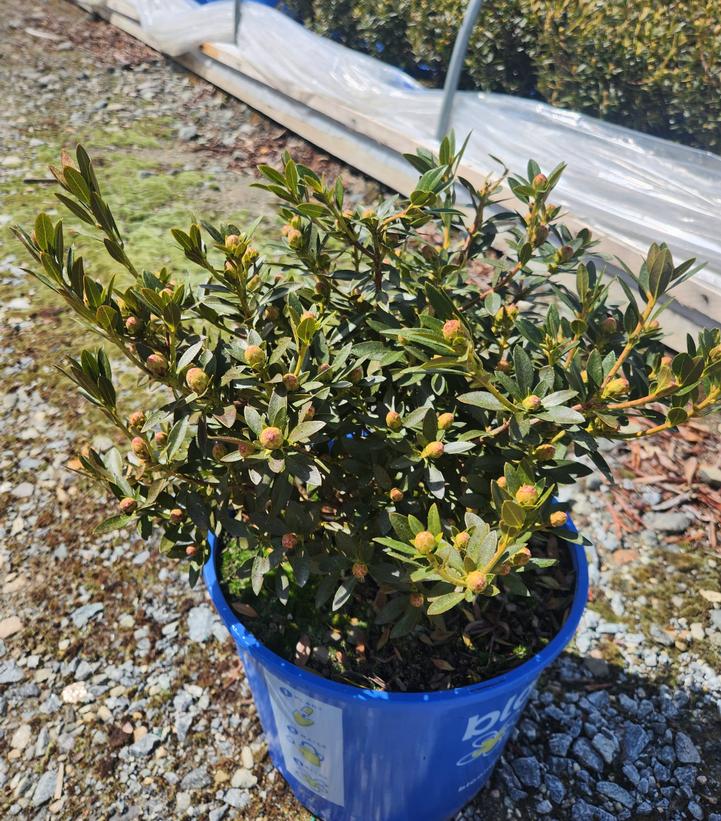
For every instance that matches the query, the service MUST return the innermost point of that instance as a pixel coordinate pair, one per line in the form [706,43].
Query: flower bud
[139,447]
[445,420]
[504,366]
[526,495]
[295,238]
[218,451]
[197,380]
[609,325]
[191,550]
[460,540]
[289,541]
[310,413]
[134,325]
[564,253]
[290,381]
[453,330]
[322,287]
[393,420]
[271,438]
[521,557]
[250,256]
[161,438]
[127,505]
[355,376]
[532,402]
[176,515]
[136,419]
[504,569]
[476,581]
[255,356]
[539,235]
[558,518]
[540,181]
[433,450]
[667,359]
[416,600]
[396,495]
[544,453]
[360,571]
[501,481]
[616,387]
[715,353]
[367,214]
[424,541]
[272,313]
[246,449]
[157,364]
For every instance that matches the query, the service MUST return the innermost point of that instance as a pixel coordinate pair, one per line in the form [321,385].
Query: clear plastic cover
[632,187]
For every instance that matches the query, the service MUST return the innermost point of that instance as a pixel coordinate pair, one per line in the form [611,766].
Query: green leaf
[44,232]
[400,525]
[445,603]
[113,523]
[189,355]
[304,431]
[557,398]
[562,415]
[434,521]
[261,565]
[394,544]
[253,418]
[176,437]
[524,370]
[677,416]
[344,592]
[482,399]
[513,515]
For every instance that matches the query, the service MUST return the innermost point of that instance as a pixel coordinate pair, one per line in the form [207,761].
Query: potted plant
[360,434]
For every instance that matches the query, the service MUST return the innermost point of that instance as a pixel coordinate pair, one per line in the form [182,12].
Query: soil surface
[121,694]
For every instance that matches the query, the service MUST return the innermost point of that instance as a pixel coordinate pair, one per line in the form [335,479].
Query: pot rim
[530,669]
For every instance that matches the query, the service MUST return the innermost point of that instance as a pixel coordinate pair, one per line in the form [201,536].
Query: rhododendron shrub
[376,398]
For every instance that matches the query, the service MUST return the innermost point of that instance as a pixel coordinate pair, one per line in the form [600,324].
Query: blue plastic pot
[351,754]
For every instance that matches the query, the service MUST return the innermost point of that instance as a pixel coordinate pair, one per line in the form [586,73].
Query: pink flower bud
[291,382]
[433,450]
[157,364]
[476,581]
[527,495]
[197,380]
[393,420]
[271,438]
[255,356]
[360,571]
[445,420]
[127,505]
[289,541]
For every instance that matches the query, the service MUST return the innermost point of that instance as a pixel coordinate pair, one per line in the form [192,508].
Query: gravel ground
[120,693]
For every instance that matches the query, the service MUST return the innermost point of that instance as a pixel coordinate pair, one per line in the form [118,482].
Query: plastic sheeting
[630,186]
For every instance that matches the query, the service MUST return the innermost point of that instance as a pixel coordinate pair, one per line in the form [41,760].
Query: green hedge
[653,65]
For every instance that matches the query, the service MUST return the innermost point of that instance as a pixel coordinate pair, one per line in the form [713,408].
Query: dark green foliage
[354,408]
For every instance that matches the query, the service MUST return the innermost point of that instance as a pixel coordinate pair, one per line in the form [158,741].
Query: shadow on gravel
[597,743]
